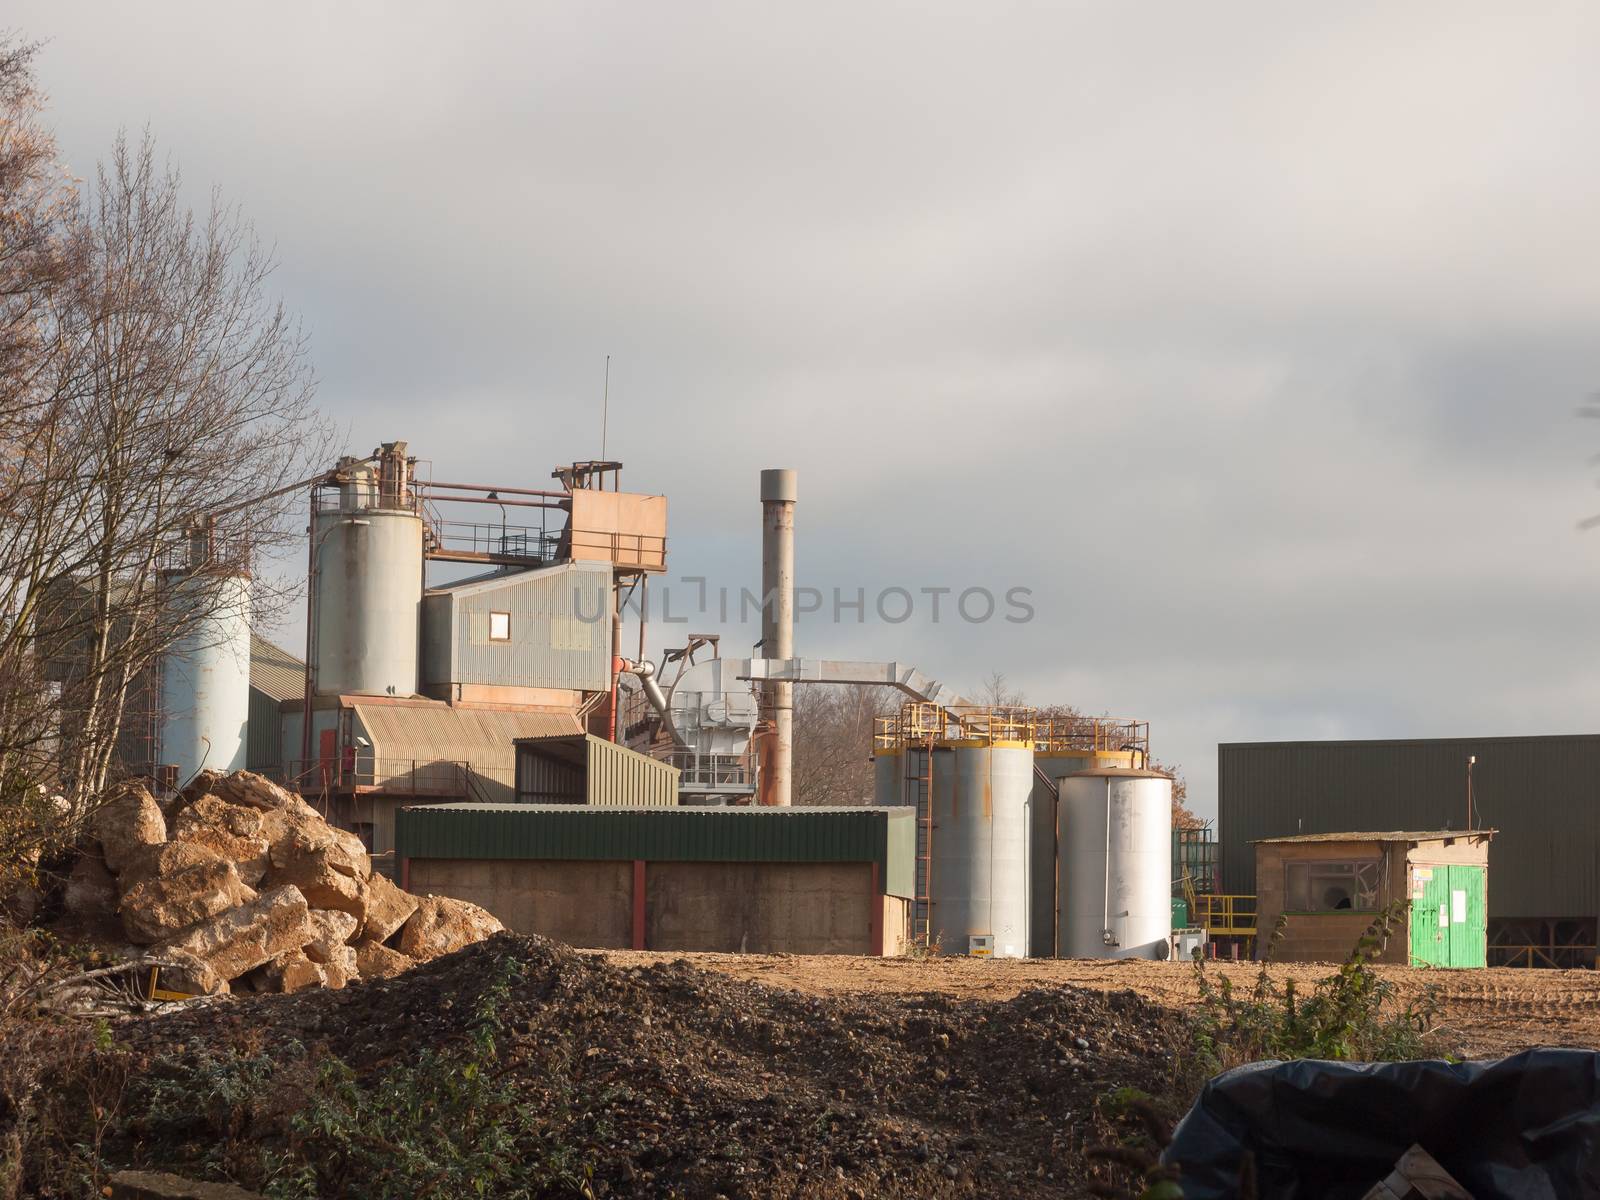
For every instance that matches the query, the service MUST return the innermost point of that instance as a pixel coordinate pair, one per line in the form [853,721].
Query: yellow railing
[1224,916]
[919,722]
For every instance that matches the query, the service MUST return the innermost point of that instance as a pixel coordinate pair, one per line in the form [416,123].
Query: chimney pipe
[778,493]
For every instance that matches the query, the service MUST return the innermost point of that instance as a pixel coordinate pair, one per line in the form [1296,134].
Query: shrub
[1352,1014]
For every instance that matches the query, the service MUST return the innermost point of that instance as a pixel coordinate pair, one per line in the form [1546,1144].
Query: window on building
[1336,886]
[499,627]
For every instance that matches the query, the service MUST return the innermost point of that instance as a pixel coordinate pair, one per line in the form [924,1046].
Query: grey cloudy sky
[1248,336]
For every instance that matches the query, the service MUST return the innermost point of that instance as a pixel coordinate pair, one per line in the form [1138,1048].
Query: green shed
[761,880]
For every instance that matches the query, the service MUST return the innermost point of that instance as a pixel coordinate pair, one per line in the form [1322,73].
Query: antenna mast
[605,409]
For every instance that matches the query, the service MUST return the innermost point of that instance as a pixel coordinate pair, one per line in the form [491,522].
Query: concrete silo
[367,569]
[205,673]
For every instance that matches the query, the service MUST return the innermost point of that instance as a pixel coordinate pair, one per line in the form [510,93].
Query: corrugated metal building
[541,629]
[1542,794]
[275,676]
[762,880]
[584,769]
[410,740]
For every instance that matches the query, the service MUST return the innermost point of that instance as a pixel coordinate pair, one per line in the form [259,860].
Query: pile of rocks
[246,887]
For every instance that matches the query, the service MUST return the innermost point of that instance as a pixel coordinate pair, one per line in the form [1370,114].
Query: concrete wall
[756,908]
[760,908]
[586,904]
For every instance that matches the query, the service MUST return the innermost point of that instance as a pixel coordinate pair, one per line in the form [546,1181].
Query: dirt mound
[668,1080]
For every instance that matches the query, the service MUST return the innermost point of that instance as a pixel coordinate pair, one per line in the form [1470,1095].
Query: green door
[1468,920]
[1448,917]
[1430,915]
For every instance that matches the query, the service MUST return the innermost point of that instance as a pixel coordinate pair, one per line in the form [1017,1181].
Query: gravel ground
[1489,1013]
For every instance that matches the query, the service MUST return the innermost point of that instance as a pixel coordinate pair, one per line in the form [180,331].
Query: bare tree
[833,742]
[173,396]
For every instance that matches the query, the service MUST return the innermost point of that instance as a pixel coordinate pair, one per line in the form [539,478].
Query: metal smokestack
[778,494]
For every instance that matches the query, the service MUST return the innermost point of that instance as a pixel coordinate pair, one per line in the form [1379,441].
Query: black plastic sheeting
[1526,1126]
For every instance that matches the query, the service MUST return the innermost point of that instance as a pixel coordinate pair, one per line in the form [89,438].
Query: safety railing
[712,772]
[398,776]
[490,540]
[920,722]
[1224,915]
[1065,734]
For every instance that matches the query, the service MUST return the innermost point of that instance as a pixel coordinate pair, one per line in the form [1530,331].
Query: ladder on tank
[917,789]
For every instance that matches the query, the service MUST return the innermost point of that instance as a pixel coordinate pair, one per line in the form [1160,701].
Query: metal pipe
[482,487]
[433,499]
[779,490]
[646,671]
[616,669]
[1105,909]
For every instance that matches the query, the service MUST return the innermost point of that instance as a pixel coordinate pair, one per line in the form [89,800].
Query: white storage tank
[205,674]
[368,594]
[1042,846]
[978,878]
[1114,888]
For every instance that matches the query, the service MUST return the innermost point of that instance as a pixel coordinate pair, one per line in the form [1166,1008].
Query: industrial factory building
[1541,796]
[465,705]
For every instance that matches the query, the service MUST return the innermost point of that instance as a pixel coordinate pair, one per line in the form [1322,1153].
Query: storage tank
[1114,830]
[205,674]
[368,596]
[1042,846]
[978,880]
[888,767]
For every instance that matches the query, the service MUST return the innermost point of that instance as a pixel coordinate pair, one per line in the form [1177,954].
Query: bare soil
[670,1080]
[1488,1013]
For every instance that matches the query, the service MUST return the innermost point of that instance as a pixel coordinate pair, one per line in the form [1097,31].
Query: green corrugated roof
[883,835]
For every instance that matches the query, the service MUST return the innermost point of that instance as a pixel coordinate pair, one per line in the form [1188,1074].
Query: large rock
[230,830]
[126,823]
[175,885]
[341,968]
[332,929]
[442,925]
[91,889]
[289,972]
[186,973]
[244,938]
[374,960]
[388,908]
[324,865]
[256,791]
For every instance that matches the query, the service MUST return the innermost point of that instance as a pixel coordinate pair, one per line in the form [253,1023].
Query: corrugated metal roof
[583,769]
[862,833]
[441,732]
[1432,835]
[1540,794]
[275,672]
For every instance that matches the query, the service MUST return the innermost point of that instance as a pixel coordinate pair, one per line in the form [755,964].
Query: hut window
[499,627]
[1336,886]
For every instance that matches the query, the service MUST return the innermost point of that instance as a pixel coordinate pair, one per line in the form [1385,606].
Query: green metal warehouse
[756,880]
[1541,795]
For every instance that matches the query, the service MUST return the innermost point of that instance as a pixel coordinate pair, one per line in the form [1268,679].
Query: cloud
[1248,338]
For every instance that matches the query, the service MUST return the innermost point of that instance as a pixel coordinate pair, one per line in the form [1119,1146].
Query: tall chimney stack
[778,493]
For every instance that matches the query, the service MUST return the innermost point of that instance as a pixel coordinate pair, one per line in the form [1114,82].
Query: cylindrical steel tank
[205,674]
[1114,831]
[978,881]
[888,767]
[367,600]
[1042,847]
